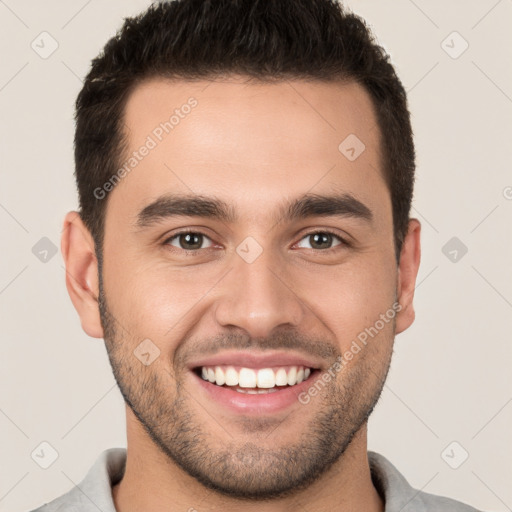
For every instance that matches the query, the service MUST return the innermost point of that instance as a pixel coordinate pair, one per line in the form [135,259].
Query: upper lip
[257,360]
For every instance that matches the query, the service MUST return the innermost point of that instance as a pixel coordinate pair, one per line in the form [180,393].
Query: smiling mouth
[253,380]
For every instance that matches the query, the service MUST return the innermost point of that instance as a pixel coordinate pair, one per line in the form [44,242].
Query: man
[245,171]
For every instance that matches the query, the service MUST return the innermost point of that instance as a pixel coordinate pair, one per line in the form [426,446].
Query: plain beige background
[450,378]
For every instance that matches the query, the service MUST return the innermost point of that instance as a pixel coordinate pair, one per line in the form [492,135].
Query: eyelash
[343,242]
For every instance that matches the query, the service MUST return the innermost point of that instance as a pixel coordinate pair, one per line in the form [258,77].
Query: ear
[77,246]
[407,272]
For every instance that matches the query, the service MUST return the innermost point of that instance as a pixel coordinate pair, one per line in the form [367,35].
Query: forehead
[249,143]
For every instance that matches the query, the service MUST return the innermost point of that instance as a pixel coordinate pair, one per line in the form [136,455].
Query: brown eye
[320,240]
[189,241]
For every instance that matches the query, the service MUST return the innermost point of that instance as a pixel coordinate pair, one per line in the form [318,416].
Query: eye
[189,241]
[321,240]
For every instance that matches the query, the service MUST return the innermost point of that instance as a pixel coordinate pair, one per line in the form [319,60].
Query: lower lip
[272,402]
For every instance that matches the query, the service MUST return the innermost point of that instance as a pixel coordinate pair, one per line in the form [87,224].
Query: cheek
[350,298]
[155,301]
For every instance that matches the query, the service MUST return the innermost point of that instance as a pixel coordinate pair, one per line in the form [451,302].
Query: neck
[153,482]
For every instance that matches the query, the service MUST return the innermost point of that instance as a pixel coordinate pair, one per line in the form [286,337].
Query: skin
[254,146]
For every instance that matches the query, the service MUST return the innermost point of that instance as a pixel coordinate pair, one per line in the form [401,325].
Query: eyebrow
[309,205]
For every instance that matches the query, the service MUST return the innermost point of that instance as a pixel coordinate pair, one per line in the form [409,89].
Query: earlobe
[407,272]
[77,247]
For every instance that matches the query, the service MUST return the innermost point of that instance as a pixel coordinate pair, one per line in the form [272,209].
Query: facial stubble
[177,424]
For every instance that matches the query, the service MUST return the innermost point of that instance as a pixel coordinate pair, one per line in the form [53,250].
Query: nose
[258,297]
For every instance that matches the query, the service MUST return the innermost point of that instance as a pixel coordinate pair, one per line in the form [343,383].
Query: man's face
[297,285]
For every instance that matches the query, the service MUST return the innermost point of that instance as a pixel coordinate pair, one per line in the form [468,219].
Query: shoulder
[94,492]
[400,496]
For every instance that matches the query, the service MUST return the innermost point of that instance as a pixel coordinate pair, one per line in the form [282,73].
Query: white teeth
[292,376]
[231,377]
[219,376]
[247,378]
[281,377]
[264,378]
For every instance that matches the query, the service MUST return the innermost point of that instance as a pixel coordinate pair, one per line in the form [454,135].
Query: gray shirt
[94,492]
